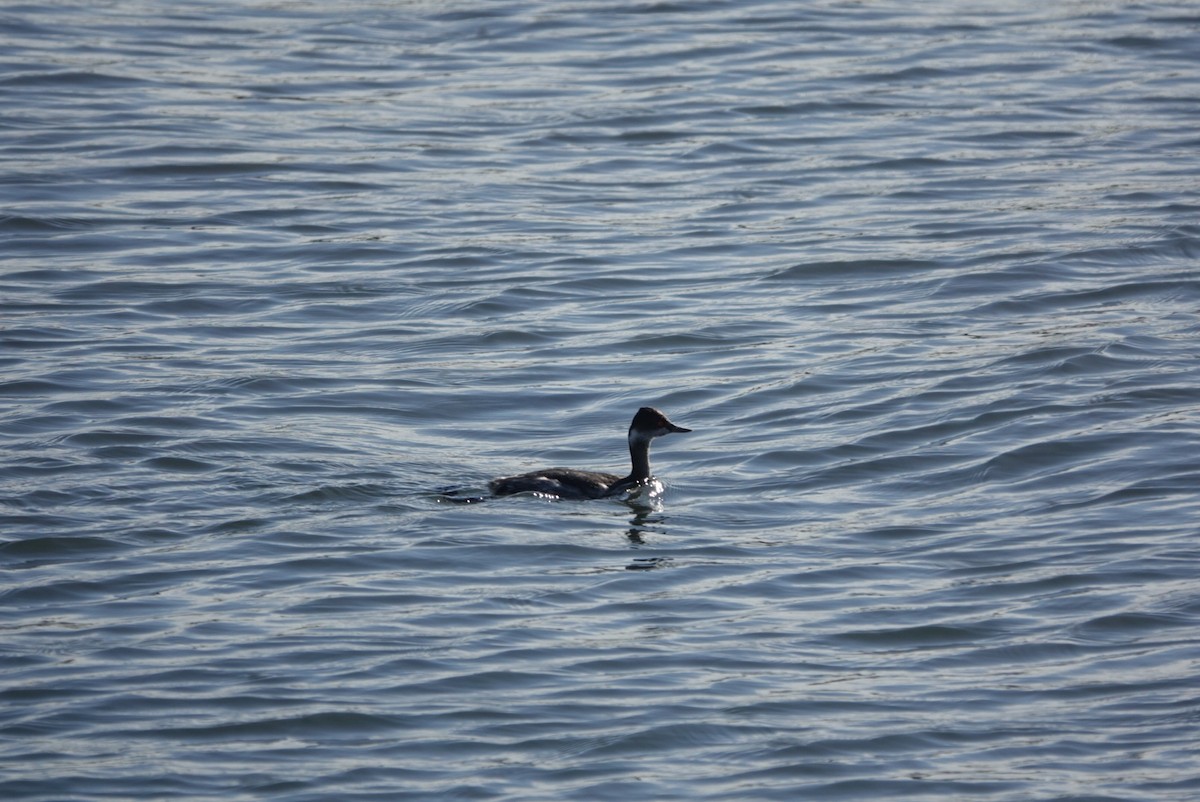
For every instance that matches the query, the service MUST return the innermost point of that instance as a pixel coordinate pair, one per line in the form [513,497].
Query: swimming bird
[569,483]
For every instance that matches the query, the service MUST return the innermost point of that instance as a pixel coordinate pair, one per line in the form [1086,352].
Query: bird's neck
[639,456]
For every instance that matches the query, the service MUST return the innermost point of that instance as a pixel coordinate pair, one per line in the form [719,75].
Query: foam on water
[922,279]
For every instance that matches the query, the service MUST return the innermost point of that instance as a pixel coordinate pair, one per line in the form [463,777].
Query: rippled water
[922,277]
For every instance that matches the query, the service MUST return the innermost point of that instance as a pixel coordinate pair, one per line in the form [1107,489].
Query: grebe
[569,483]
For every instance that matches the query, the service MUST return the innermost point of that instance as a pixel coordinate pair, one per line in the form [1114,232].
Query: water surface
[922,278]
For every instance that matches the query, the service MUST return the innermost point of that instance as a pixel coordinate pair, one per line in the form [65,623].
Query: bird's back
[561,482]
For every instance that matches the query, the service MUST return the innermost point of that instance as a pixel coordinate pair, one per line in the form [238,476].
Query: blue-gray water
[924,278]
